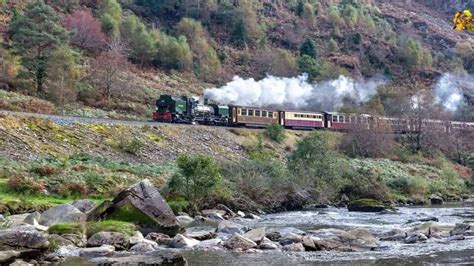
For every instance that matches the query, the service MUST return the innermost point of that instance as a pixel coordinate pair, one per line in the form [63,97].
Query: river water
[433,252]
[391,253]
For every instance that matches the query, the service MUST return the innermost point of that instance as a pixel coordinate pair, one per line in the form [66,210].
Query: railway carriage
[301,119]
[252,116]
[342,121]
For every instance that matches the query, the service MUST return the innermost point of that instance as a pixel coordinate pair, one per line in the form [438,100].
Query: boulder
[181,241]
[469,202]
[394,235]
[308,243]
[366,205]
[64,213]
[285,230]
[102,251]
[330,244]
[17,238]
[159,238]
[295,247]
[59,240]
[143,247]
[139,239]
[117,240]
[252,216]
[143,205]
[97,213]
[77,240]
[256,235]
[273,236]
[241,214]
[267,244]
[201,235]
[436,200]
[228,227]
[359,240]
[17,220]
[460,229]
[212,212]
[206,244]
[327,232]
[229,212]
[85,205]
[456,238]
[291,238]
[31,217]
[184,220]
[415,238]
[237,241]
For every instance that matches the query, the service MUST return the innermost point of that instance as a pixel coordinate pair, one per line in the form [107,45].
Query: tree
[415,55]
[35,34]
[239,36]
[276,132]
[9,67]
[141,42]
[64,75]
[309,65]
[333,47]
[308,48]
[110,16]
[106,70]
[299,8]
[315,164]
[87,31]
[283,64]
[309,14]
[197,176]
[173,53]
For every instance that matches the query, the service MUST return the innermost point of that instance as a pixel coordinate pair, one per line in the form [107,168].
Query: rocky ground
[36,237]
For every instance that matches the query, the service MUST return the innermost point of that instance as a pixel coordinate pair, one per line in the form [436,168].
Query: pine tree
[308,48]
[35,34]
[240,36]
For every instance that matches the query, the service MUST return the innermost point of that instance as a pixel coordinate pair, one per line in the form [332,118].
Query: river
[390,253]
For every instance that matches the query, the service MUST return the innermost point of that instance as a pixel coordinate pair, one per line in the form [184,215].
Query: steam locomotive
[188,110]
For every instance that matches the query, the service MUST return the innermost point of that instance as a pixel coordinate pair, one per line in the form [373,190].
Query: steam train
[188,110]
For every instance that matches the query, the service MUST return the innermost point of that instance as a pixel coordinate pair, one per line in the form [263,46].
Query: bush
[197,176]
[125,141]
[276,132]
[125,228]
[26,185]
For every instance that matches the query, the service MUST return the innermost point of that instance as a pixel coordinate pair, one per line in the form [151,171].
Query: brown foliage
[22,184]
[87,30]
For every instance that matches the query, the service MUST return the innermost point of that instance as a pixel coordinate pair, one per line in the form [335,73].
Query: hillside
[121,55]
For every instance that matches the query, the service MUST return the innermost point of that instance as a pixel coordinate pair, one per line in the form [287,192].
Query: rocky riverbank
[138,226]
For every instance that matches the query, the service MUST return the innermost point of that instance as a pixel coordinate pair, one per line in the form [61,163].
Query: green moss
[61,229]
[366,203]
[128,213]
[110,226]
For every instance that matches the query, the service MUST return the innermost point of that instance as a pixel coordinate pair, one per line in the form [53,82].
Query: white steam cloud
[450,90]
[294,92]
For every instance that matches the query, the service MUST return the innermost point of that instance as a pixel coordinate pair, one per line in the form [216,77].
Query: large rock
[469,202]
[64,213]
[160,257]
[9,256]
[308,243]
[295,247]
[184,220]
[460,229]
[16,238]
[228,227]
[142,204]
[102,251]
[201,235]
[181,241]
[210,243]
[291,238]
[32,217]
[436,200]
[119,241]
[143,247]
[85,205]
[237,241]
[359,240]
[256,235]
[366,205]
[267,244]
[415,238]
[159,238]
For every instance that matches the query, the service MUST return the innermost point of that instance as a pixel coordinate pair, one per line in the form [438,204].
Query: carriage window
[264,113]
[250,112]
[257,112]
[341,119]
[270,114]
[274,115]
[244,111]
[334,118]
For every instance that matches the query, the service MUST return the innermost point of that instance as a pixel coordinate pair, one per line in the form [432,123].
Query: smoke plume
[450,90]
[297,92]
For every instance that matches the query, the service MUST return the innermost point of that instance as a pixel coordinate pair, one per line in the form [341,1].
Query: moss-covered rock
[124,228]
[63,229]
[366,205]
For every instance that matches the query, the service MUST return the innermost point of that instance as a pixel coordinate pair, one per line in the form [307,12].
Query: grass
[124,228]
[7,195]
[62,229]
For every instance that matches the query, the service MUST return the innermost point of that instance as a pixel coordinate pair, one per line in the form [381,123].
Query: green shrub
[197,176]
[62,229]
[276,132]
[125,228]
